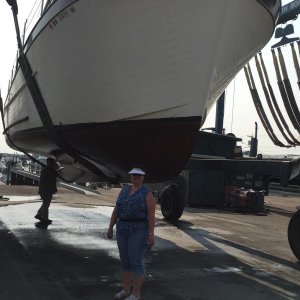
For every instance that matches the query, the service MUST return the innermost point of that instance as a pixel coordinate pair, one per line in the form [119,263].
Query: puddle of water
[21,198]
[224,270]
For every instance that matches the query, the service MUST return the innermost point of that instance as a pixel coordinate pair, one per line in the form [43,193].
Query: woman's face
[137,178]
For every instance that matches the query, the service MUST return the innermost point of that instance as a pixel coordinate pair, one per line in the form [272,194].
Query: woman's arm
[151,203]
[113,220]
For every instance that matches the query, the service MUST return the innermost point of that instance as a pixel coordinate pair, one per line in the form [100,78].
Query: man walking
[47,188]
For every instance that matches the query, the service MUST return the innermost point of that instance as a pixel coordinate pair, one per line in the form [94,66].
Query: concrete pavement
[208,254]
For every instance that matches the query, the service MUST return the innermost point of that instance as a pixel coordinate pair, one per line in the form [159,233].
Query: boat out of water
[129,82]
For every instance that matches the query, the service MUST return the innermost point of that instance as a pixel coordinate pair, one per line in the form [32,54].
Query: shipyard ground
[209,254]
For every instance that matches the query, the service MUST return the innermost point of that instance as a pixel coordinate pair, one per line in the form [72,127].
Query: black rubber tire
[294,234]
[172,202]
[180,181]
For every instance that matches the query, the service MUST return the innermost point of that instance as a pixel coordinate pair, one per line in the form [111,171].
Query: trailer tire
[172,202]
[180,181]
[294,234]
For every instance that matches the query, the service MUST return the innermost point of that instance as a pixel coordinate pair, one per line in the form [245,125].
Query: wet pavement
[208,254]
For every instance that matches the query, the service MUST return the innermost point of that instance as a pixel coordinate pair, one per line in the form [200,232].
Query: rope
[289,90]
[262,112]
[296,63]
[278,110]
[232,103]
[298,43]
[270,104]
[31,18]
[257,103]
[32,9]
[283,92]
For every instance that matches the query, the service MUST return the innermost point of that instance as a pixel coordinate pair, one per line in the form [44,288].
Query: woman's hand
[110,233]
[113,220]
[150,240]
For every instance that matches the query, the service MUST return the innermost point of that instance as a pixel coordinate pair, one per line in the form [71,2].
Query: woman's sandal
[132,297]
[121,295]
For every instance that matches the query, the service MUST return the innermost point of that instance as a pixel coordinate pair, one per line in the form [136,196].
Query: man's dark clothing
[47,181]
[47,188]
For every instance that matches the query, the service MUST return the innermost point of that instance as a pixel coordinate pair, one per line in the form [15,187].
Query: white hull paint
[124,60]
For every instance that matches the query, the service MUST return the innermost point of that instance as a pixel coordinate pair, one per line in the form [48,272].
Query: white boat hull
[136,73]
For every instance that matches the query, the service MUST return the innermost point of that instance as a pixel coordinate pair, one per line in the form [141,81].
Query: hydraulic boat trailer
[173,194]
[275,169]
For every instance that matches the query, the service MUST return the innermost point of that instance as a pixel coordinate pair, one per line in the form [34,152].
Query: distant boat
[2,167]
[130,82]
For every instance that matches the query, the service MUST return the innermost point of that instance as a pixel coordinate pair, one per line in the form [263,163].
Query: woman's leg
[126,272]
[136,251]
[137,285]
[126,282]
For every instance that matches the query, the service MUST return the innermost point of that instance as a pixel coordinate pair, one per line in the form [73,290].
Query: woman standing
[134,214]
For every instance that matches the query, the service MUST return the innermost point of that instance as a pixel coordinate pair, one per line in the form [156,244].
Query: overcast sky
[240,114]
